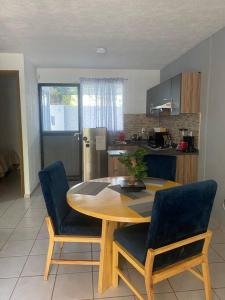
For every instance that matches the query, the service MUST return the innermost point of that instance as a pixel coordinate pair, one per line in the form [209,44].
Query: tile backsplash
[133,123]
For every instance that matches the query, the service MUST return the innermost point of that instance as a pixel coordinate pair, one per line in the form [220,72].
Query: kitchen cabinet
[159,95]
[182,92]
[190,92]
[115,167]
[186,168]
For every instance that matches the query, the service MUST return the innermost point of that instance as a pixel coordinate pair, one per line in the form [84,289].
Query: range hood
[165,106]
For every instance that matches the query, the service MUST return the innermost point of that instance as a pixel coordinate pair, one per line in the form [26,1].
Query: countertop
[169,151]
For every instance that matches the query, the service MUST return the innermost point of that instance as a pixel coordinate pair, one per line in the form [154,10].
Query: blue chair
[175,240]
[161,166]
[64,224]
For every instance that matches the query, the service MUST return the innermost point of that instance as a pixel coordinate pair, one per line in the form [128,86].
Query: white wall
[29,115]
[208,57]
[9,125]
[33,131]
[136,85]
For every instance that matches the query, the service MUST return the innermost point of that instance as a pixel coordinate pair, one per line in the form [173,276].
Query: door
[60,127]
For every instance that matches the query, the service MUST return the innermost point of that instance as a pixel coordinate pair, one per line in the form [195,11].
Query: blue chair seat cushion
[133,239]
[76,223]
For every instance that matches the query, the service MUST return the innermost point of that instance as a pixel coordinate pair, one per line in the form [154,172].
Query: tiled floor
[23,246]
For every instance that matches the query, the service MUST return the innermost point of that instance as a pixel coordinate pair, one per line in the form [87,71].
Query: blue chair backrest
[161,166]
[179,213]
[54,186]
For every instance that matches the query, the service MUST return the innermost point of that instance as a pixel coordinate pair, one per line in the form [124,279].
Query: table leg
[105,268]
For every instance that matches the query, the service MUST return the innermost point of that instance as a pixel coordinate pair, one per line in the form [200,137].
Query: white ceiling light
[101,50]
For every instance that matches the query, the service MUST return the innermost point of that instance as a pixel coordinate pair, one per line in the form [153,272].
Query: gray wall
[9,126]
[209,58]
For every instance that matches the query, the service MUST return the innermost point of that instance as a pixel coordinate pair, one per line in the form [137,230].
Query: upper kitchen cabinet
[157,96]
[190,92]
[180,94]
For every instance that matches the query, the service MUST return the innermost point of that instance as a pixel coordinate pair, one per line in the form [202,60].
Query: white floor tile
[2,243]
[138,280]
[217,273]
[121,298]
[215,256]
[40,247]
[194,295]
[218,236]
[6,287]
[31,222]
[220,293]
[35,288]
[213,224]
[34,212]
[9,221]
[5,234]
[24,234]
[121,290]
[185,281]
[73,286]
[11,266]
[166,296]
[38,203]
[76,247]
[35,266]
[43,234]
[95,247]
[220,249]
[65,269]
[16,248]
[162,296]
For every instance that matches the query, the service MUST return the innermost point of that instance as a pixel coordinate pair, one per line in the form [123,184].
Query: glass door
[60,127]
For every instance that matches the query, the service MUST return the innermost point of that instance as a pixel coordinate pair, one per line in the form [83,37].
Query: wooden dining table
[113,208]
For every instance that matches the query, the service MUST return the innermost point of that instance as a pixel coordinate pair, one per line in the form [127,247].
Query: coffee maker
[190,143]
[160,138]
[187,141]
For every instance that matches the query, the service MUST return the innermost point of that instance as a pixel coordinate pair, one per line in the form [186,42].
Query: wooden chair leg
[206,277]
[49,257]
[150,292]
[115,277]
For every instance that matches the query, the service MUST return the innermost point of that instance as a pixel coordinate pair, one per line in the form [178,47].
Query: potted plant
[135,164]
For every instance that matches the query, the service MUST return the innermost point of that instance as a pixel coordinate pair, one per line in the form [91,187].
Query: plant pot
[132,180]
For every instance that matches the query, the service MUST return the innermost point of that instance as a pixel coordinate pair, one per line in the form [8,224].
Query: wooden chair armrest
[206,235]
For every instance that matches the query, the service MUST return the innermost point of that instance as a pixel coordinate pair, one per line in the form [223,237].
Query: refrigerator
[95,158]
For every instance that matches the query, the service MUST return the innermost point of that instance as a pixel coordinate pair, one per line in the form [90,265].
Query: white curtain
[102,103]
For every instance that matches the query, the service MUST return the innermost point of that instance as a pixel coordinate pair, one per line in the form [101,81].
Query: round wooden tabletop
[111,205]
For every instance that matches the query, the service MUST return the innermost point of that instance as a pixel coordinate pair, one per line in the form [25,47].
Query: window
[59,108]
[102,103]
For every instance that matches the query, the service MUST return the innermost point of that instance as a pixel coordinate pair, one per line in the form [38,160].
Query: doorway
[11,144]
[60,124]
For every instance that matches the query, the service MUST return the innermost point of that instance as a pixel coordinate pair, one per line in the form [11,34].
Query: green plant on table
[135,164]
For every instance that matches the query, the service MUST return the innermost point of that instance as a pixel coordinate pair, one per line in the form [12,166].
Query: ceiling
[138,34]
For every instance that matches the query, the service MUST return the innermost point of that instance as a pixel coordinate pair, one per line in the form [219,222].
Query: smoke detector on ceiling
[101,50]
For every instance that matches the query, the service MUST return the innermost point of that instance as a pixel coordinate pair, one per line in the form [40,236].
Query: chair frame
[53,238]
[152,278]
